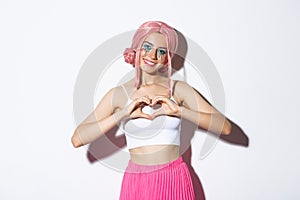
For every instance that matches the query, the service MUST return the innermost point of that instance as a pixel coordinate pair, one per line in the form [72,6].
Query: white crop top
[163,129]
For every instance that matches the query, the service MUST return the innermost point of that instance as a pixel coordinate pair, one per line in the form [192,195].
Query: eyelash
[161,51]
[148,48]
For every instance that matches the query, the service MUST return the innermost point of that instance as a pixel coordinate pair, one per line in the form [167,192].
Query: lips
[148,62]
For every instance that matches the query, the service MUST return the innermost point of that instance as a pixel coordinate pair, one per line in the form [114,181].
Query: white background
[253,44]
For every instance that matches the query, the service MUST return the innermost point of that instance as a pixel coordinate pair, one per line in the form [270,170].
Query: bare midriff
[154,154]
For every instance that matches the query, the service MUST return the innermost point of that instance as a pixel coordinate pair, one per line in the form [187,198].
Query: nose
[153,54]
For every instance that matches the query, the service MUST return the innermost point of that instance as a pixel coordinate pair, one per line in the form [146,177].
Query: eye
[161,51]
[147,47]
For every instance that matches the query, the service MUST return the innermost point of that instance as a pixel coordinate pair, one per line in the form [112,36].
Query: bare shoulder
[118,96]
[181,84]
[187,93]
[105,107]
[114,98]
[192,98]
[121,93]
[181,89]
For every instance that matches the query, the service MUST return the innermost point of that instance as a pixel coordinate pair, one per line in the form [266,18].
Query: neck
[147,79]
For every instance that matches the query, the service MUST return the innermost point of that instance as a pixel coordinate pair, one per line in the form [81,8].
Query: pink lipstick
[149,63]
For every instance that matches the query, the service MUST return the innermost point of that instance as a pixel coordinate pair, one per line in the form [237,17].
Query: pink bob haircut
[132,57]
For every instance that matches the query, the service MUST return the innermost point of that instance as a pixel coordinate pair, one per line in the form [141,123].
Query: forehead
[157,39]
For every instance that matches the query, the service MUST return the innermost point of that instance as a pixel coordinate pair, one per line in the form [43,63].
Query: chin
[148,69]
[152,69]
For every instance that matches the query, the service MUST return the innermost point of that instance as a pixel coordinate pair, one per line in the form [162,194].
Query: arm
[105,117]
[197,110]
[100,121]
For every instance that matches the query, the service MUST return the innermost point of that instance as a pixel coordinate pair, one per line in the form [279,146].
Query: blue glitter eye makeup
[161,51]
[147,47]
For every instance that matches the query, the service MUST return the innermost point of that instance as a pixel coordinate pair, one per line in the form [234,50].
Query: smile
[149,62]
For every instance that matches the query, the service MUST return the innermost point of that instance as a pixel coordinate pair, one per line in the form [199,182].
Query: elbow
[76,142]
[227,128]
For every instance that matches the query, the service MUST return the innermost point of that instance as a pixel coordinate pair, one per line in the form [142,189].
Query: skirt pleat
[170,181]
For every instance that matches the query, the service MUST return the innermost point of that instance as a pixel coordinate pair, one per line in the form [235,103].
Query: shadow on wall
[110,143]
[103,147]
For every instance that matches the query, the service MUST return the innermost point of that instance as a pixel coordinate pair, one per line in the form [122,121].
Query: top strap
[125,92]
[172,87]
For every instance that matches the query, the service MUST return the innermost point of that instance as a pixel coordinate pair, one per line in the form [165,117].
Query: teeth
[149,63]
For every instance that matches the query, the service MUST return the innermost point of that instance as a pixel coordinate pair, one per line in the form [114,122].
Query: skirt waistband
[140,168]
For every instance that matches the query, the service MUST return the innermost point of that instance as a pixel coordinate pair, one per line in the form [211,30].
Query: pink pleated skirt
[170,181]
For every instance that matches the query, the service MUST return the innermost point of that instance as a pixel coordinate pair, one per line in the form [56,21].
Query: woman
[149,109]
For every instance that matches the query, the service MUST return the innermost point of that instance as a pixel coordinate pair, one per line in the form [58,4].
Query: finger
[139,102]
[156,100]
[140,113]
[145,99]
[145,116]
[161,99]
[158,97]
[158,113]
[135,106]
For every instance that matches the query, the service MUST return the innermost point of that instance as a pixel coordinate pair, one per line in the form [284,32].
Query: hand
[134,109]
[168,107]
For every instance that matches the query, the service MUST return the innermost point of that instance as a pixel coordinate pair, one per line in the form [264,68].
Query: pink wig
[131,55]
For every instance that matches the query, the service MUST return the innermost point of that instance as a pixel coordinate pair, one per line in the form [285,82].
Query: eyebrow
[153,45]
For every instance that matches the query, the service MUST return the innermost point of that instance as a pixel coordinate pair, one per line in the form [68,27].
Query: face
[153,53]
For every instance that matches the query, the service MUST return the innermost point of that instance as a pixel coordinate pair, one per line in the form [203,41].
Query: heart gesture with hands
[134,109]
[168,107]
